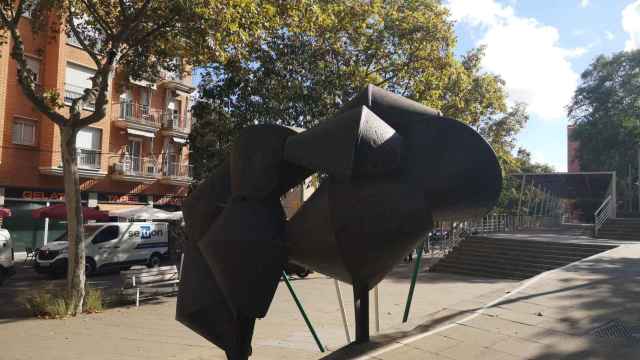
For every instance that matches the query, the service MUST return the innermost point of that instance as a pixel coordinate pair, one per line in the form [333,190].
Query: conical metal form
[354,144]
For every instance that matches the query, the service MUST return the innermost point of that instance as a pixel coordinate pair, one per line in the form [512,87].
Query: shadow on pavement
[592,295]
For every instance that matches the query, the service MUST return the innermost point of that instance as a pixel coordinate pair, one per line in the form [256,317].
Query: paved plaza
[587,310]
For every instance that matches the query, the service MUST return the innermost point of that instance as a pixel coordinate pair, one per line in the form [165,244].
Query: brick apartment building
[573,163]
[136,155]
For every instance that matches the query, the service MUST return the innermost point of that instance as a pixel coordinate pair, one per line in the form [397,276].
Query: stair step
[522,253]
[493,271]
[531,251]
[508,267]
[535,243]
[510,260]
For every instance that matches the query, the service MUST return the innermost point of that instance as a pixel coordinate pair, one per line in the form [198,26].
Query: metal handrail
[602,214]
[134,112]
[72,92]
[175,121]
[89,159]
[136,166]
[176,169]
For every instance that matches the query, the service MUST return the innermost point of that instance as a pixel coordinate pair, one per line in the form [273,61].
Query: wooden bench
[142,282]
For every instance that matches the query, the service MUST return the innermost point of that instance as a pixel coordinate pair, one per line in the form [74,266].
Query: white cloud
[609,35]
[631,24]
[584,3]
[525,53]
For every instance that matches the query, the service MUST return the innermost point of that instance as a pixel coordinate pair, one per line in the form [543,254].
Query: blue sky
[540,47]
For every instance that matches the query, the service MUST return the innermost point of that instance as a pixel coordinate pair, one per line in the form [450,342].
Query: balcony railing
[176,122]
[89,159]
[137,113]
[72,92]
[136,166]
[170,75]
[176,169]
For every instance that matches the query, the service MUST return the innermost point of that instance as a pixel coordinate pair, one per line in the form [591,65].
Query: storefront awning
[148,134]
[118,207]
[179,140]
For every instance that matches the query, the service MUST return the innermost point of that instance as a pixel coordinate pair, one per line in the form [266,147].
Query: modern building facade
[136,155]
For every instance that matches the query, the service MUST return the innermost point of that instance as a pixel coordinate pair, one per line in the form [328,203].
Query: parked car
[7,256]
[119,244]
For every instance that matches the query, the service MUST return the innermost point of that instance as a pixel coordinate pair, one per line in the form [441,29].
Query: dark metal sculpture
[394,166]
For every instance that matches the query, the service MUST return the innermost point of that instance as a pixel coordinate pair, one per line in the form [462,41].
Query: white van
[6,256]
[119,244]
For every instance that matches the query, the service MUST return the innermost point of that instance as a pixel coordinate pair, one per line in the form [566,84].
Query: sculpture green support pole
[304,314]
[414,278]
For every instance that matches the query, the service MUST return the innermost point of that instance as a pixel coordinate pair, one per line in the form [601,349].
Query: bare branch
[80,38]
[98,17]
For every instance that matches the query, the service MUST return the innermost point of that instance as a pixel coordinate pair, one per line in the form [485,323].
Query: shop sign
[38,194]
[42,195]
[120,198]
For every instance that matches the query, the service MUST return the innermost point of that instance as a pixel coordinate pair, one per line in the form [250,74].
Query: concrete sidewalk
[587,310]
[150,332]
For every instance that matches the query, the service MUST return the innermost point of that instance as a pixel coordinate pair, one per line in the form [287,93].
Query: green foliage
[47,303]
[93,301]
[606,111]
[323,53]
[54,303]
[511,186]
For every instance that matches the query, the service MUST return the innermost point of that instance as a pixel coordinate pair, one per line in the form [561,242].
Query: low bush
[93,301]
[52,303]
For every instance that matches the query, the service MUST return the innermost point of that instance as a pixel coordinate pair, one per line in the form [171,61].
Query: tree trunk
[75,231]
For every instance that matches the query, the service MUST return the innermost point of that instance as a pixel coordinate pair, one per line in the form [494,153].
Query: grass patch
[53,303]
[93,301]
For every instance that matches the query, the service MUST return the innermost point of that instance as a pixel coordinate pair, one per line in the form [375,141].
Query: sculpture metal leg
[241,349]
[361,302]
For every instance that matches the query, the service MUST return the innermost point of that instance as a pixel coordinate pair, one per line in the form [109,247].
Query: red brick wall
[19,164]
[573,163]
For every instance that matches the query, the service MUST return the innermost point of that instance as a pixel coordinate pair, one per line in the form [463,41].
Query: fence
[447,234]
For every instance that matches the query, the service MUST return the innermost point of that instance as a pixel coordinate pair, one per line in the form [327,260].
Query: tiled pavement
[553,316]
[556,315]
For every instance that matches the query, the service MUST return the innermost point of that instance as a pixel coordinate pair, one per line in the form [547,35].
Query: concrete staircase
[620,229]
[512,259]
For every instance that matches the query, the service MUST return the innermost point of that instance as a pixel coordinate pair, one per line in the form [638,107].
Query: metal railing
[445,235]
[176,169]
[170,75]
[72,92]
[603,213]
[138,113]
[135,166]
[89,159]
[175,121]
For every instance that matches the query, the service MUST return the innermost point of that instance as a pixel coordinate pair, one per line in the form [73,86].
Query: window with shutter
[33,64]
[24,132]
[77,78]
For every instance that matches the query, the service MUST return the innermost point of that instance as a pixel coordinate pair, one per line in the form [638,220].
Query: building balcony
[174,81]
[175,172]
[133,116]
[89,165]
[135,169]
[176,125]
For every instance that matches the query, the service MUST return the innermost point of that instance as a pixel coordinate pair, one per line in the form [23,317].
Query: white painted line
[414,338]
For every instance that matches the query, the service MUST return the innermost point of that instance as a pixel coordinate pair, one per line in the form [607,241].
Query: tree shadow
[584,297]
